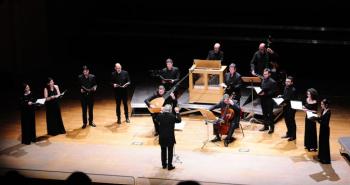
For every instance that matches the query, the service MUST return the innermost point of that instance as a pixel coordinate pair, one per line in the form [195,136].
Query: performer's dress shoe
[127,120]
[264,128]
[226,142]
[284,137]
[291,139]
[271,131]
[164,166]
[119,122]
[92,124]
[216,139]
[84,126]
[171,167]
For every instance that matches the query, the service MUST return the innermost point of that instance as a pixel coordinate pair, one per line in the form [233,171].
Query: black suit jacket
[269,87]
[233,83]
[289,94]
[169,100]
[121,79]
[215,56]
[166,128]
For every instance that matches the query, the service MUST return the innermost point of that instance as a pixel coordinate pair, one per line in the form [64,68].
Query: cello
[227,115]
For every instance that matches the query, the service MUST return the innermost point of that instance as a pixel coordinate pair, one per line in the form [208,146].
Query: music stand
[251,80]
[209,118]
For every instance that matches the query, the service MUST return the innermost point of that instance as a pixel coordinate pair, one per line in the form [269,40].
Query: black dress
[324,151]
[310,136]
[27,119]
[53,115]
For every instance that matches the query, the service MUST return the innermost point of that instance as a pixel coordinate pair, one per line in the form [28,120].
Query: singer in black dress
[310,135]
[53,112]
[27,116]
[324,154]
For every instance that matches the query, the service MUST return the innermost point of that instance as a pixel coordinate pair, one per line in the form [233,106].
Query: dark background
[42,38]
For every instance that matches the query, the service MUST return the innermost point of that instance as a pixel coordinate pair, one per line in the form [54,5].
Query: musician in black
[169,75]
[289,113]
[233,83]
[88,88]
[226,103]
[120,82]
[263,58]
[324,154]
[54,120]
[216,53]
[268,87]
[169,99]
[167,120]
[27,104]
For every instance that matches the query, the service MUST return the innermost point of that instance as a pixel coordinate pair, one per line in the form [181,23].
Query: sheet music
[180,126]
[41,101]
[311,115]
[278,100]
[298,105]
[64,92]
[257,89]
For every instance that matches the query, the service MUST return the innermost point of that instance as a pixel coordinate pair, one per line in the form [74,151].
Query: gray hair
[225,96]
[167,108]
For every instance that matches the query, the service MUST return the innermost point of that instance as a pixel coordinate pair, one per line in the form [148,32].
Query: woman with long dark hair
[27,103]
[53,112]
[310,135]
[324,155]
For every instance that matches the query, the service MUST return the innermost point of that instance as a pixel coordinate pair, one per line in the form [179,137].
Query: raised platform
[345,145]
[252,110]
[141,92]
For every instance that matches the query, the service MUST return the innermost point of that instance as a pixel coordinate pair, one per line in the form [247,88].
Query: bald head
[216,47]
[118,67]
[262,48]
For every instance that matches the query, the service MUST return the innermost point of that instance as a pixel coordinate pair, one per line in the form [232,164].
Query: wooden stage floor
[129,153]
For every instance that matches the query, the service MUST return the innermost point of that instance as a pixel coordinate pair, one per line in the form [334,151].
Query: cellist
[230,116]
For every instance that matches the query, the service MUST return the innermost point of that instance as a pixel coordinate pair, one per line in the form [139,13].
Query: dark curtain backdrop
[41,38]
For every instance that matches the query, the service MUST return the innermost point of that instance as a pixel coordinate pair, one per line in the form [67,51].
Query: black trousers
[267,109]
[121,95]
[164,150]
[155,122]
[231,129]
[289,118]
[87,102]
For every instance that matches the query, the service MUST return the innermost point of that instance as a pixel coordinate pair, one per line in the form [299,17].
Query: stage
[143,91]
[129,153]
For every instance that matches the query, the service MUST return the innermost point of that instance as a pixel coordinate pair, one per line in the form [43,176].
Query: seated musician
[169,75]
[168,100]
[230,115]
